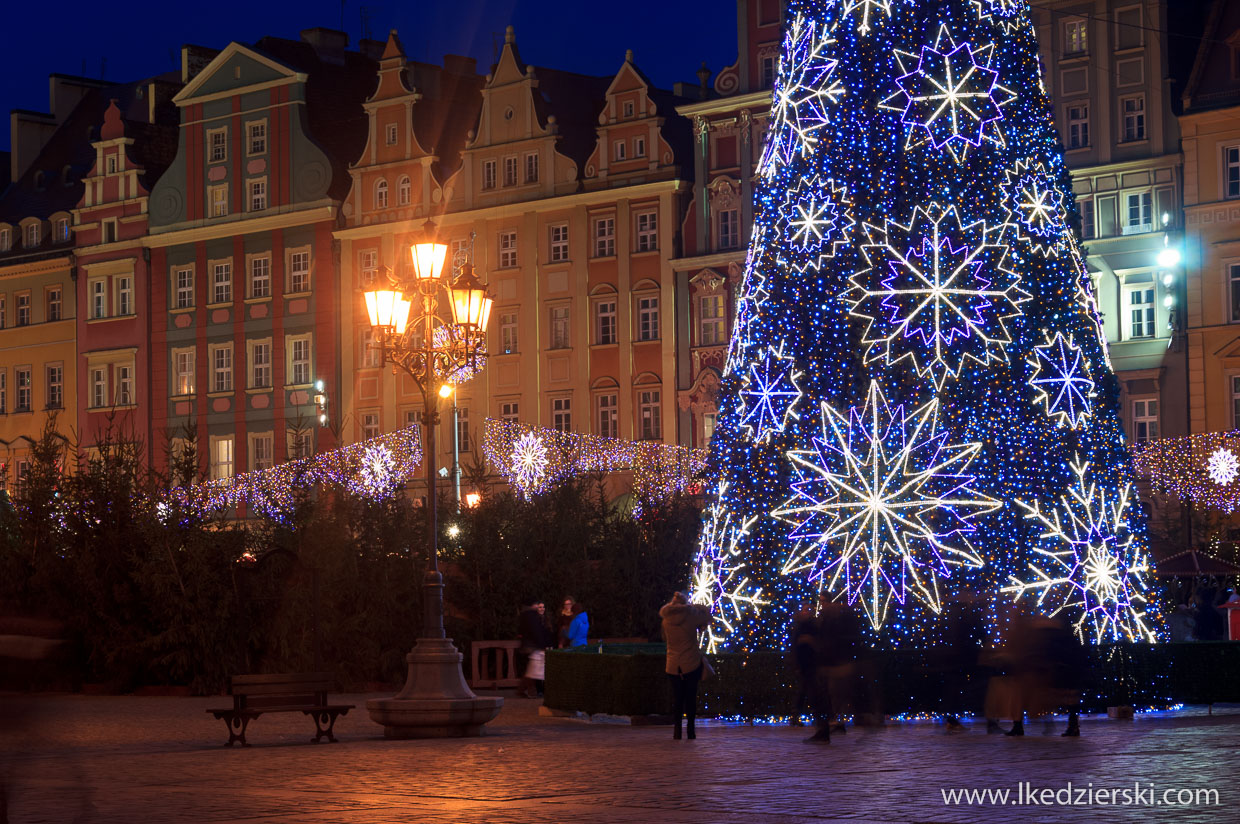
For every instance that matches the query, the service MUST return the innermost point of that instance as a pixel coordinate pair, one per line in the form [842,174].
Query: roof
[1192,562]
[1212,59]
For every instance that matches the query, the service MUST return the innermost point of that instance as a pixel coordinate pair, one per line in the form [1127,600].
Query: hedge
[629,680]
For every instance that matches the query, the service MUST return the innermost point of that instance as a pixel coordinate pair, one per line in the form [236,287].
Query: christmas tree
[917,401]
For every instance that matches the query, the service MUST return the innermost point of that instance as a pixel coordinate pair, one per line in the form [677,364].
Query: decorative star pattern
[949,96]
[769,394]
[1035,208]
[882,507]
[1007,14]
[377,475]
[804,92]
[1223,466]
[867,13]
[720,577]
[1062,380]
[529,462]
[817,222]
[1089,567]
[754,293]
[937,292]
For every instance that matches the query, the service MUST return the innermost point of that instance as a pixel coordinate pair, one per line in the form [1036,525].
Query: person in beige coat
[681,623]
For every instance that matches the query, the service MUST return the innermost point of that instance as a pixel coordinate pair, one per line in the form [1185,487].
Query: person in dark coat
[535,638]
[957,659]
[682,622]
[803,644]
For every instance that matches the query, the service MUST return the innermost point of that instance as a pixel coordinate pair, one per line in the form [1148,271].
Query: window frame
[253,277]
[182,380]
[489,174]
[217,199]
[1138,131]
[53,303]
[531,167]
[24,308]
[718,323]
[291,257]
[404,190]
[222,145]
[557,247]
[606,316]
[1075,28]
[291,344]
[1230,164]
[215,465]
[650,413]
[256,193]
[256,144]
[1145,418]
[54,384]
[510,171]
[123,296]
[506,247]
[648,328]
[562,413]
[221,363]
[560,325]
[604,233]
[256,463]
[1150,309]
[221,287]
[731,240]
[646,236]
[253,377]
[607,414]
[181,290]
[1077,126]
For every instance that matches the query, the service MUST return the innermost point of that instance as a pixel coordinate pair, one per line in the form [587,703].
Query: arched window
[404,191]
[381,200]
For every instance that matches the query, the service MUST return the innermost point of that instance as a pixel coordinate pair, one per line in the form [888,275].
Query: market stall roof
[1192,562]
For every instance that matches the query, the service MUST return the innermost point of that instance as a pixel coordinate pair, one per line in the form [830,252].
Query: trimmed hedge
[629,680]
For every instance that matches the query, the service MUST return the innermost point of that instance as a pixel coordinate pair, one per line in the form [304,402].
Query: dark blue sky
[143,37]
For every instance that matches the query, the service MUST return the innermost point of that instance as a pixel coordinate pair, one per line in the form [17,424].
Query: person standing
[804,642]
[574,624]
[682,622]
[535,638]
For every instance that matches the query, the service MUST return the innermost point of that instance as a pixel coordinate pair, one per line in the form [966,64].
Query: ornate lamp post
[435,701]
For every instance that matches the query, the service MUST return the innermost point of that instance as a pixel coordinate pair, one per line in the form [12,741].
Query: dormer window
[111,164]
[618,150]
[62,230]
[32,235]
[639,147]
[6,239]
[628,108]
[381,194]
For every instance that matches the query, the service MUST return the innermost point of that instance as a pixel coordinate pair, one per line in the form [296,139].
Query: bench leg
[235,723]
[324,723]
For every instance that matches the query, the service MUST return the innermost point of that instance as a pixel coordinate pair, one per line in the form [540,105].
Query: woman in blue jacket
[574,624]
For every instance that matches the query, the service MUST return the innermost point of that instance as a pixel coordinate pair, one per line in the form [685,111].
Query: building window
[370,425]
[4,391]
[508,332]
[531,167]
[53,304]
[604,237]
[391,133]
[1139,311]
[509,410]
[404,191]
[1075,38]
[262,451]
[299,360]
[649,409]
[710,320]
[1086,207]
[647,231]
[55,386]
[1231,164]
[619,151]
[1128,28]
[260,364]
[257,142]
[221,368]
[258,194]
[221,458]
[607,414]
[111,164]
[559,327]
[1139,217]
[4,313]
[1234,281]
[183,369]
[124,295]
[381,199]
[108,227]
[628,108]
[184,288]
[124,385]
[462,429]
[1134,118]
[218,196]
[299,444]
[372,353]
[98,388]
[639,147]
[221,282]
[99,298]
[507,250]
[605,322]
[217,142]
[299,272]
[769,66]
[559,243]
[708,426]
[562,414]
[1235,401]
[488,174]
[1145,419]
[62,229]
[260,277]
[23,308]
[21,378]
[32,235]
[648,318]
[510,171]
[1078,126]
[6,239]
[729,229]
[369,265]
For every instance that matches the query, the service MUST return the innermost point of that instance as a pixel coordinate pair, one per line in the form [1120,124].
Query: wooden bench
[306,692]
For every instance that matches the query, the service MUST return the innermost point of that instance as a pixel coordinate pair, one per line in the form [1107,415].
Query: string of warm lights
[1201,468]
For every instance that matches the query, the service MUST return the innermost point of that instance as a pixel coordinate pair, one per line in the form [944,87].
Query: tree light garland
[1194,468]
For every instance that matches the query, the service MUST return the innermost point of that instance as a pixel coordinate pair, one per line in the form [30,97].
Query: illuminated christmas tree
[917,401]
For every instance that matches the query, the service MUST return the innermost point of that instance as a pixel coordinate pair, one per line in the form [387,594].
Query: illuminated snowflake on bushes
[1035,206]
[529,462]
[883,506]
[1223,466]
[376,475]
[1062,380]
[949,96]
[719,578]
[817,221]
[1090,567]
[769,393]
[804,91]
[937,292]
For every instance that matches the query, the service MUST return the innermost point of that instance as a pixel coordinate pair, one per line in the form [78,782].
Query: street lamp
[410,332]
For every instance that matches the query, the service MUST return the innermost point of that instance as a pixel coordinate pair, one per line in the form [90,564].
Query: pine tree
[917,401]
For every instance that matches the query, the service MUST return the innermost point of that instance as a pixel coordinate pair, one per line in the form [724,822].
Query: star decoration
[769,394]
[882,506]
[1090,566]
[950,97]
[866,12]
[455,373]
[1223,466]
[804,91]
[376,477]
[936,291]
[1035,207]
[719,573]
[1062,380]
[1007,14]
[529,461]
[818,222]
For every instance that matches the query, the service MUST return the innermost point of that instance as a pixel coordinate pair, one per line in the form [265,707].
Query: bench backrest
[282,684]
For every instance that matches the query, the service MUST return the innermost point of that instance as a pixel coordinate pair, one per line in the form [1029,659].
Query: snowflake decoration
[936,291]
[377,474]
[769,394]
[951,98]
[1061,379]
[719,573]
[1008,14]
[529,460]
[1087,300]
[1090,566]
[1035,207]
[883,506]
[803,92]
[817,219]
[1223,466]
[866,12]
[754,293]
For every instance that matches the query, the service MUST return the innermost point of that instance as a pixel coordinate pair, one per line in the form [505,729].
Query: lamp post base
[435,701]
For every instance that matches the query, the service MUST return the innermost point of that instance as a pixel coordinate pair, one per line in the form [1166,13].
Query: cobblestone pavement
[149,760]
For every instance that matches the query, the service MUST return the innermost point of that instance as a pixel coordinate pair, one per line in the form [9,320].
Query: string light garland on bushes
[1202,468]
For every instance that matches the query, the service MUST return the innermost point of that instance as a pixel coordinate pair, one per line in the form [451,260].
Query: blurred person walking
[535,637]
[682,622]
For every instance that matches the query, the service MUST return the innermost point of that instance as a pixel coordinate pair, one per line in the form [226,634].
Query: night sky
[140,38]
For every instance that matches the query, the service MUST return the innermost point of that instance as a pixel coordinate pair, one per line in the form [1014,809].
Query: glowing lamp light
[445,391]
[387,309]
[428,260]
[472,499]
[453,530]
[471,307]
[1169,257]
